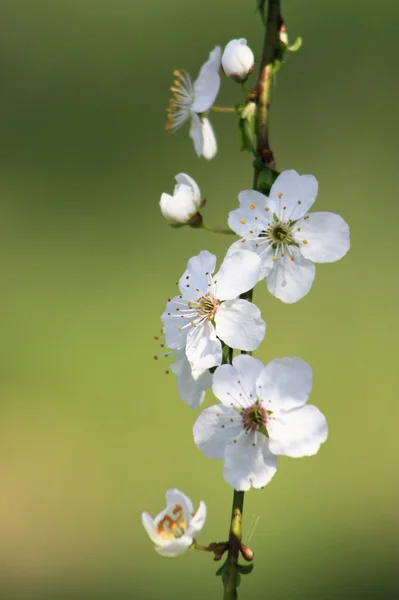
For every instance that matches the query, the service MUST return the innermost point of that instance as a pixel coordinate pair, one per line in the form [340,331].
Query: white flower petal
[284,384]
[298,432]
[228,388]
[180,207]
[298,192]
[240,325]
[176,546]
[197,522]
[247,465]
[196,134]
[191,386]
[209,144]
[203,349]
[248,369]
[207,84]
[149,526]
[326,237]
[175,338]
[254,204]
[215,428]
[175,496]
[238,273]
[261,248]
[194,282]
[184,179]
[290,280]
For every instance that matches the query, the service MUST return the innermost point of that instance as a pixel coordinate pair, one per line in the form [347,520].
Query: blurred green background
[91,430]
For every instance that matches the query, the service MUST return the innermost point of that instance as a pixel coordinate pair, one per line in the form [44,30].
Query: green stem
[217,229]
[230,581]
[223,109]
[196,546]
[244,88]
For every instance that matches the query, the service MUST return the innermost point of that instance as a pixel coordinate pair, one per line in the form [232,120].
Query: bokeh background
[92,431]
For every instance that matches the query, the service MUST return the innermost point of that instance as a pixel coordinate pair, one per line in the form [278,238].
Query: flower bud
[237,60]
[185,202]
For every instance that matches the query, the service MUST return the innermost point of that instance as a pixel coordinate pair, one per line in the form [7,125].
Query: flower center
[254,418]
[206,306]
[173,525]
[278,233]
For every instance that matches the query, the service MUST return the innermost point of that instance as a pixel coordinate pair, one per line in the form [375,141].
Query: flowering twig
[263,410]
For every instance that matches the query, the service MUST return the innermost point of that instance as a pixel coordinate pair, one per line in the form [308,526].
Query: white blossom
[185,202]
[288,239]
[238,60]
[209,309]
[263,414]
[173,530]
[193,100]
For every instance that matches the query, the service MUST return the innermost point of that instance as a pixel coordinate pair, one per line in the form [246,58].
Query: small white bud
[238,60]
[185,202]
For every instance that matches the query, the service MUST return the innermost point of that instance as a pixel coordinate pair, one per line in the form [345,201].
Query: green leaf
[227,354]
[296,45]
[247,127]
[276,66]
[260,6]
[245,569]
[266,178]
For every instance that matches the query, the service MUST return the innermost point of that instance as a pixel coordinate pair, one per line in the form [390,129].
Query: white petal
[248,369]
[298,192]
[209,147]
[185,179]
[298,432]
[261,248]
[206,86]
[174,337]
[175,496]
[290,280]
[247,465]
[326,235]
[196,134]
[180,207]
[254,204]
[238,273]
[285,383]
[229,389]
[148,524]
[215,428]
[240,325]
[191,386]
[194,282]
[197,522]
[176,546]
[203,349]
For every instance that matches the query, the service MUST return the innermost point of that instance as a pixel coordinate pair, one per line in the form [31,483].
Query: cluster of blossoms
[263,410]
